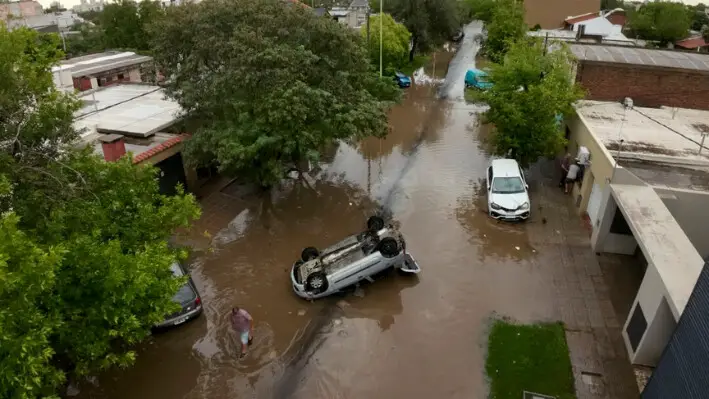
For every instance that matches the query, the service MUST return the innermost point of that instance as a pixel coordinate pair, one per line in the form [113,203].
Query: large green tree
[84,261]
[395,42]
[530,91]
[661,21]
[479,9]
[506,27]
[431,22]
[124,23]
[271,83]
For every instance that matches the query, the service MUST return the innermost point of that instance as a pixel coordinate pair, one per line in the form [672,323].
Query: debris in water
[72,390]
[301,312]
[350,204]
[272,355]
[359,292]
[337,322]
[342,304]
[517,248]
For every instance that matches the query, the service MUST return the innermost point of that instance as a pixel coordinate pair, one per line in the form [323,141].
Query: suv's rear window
[184,294]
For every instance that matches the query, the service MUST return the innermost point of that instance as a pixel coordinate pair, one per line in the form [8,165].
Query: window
[507,185]
[121,76]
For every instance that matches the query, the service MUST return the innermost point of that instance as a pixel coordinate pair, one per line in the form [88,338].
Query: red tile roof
[582,17]
[159,148]
[692,42]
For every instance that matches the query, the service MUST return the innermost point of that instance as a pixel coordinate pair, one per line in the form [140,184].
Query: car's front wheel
[309,253]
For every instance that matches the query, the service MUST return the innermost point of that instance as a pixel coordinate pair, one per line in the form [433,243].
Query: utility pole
[381,38]
[369,14]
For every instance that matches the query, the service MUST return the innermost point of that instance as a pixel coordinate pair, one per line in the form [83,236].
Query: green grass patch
[419,61]
[529,358]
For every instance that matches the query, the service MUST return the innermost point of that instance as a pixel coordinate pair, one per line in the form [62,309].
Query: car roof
[400,74]
[505,167]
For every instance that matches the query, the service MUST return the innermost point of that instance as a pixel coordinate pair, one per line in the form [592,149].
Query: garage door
[594,203]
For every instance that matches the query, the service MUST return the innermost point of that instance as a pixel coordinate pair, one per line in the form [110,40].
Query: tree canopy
[431,22]
[530,90]
[661,21]
[506,26]
[84,261]
[395,40]
[479,9]
[271,84]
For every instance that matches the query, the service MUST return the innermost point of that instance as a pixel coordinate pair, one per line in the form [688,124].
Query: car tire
[309,253]
[389,247]
[316,283]
[375,223]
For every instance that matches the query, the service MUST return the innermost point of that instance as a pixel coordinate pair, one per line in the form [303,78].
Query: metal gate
[682,370]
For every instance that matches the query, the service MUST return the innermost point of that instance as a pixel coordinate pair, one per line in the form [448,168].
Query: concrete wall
[690,212]
[647,86]
[602,240]
[650,296]
[602,162]
[550,14]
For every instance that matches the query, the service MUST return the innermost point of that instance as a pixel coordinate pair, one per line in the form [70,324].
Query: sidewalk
[582,296]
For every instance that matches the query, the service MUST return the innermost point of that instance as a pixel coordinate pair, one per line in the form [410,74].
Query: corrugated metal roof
[106,65]
[641,56]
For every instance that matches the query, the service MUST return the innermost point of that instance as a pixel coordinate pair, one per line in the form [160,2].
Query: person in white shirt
[572,175]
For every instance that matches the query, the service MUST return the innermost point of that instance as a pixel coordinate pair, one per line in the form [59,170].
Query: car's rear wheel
[375,223]
[316,283]
[389,247]
[309,253]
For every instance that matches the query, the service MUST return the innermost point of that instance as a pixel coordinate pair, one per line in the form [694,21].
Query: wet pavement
[402,336]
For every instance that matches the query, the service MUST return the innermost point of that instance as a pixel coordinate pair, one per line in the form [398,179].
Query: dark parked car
[402,80]
[187,296]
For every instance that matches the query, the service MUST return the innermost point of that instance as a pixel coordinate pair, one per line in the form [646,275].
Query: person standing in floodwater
[243,324]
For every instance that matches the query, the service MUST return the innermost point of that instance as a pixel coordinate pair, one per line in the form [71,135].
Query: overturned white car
[358,257]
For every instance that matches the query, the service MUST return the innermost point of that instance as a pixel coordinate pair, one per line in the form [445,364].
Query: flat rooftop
[641,56]
[671,135]
[663,241]
[96,63]
[130,109]
[669,176]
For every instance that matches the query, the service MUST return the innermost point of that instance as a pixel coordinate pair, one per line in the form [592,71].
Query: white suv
[507,196]
[358,257]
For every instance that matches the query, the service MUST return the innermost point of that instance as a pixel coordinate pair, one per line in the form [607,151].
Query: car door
[489,178]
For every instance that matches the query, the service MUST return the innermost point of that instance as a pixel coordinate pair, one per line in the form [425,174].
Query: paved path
[582,295]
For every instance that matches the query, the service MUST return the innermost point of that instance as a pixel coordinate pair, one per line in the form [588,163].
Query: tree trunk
[414,43]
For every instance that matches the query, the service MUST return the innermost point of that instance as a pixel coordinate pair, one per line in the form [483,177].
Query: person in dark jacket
[564,163]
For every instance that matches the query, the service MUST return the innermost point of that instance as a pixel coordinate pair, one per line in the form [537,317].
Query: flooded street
[400,337]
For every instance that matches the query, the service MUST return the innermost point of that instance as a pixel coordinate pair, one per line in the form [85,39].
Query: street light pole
[381,38]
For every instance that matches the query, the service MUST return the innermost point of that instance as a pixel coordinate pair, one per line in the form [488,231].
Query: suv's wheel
[316,283]
[375,223]
[389,247]
[309,253]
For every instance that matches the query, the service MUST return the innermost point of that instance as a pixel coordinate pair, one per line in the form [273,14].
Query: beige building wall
[602,161]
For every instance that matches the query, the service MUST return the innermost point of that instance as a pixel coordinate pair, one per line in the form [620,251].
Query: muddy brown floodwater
[399,337]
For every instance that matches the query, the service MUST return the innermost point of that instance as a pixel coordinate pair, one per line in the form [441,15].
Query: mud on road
[398,337]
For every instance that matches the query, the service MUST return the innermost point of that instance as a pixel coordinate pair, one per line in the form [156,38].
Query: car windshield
[507,185]
[482,78]
[185,293]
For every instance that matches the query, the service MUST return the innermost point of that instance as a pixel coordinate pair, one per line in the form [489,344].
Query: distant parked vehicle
[478,79]
[187,296]
[402,80]
[507,196]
